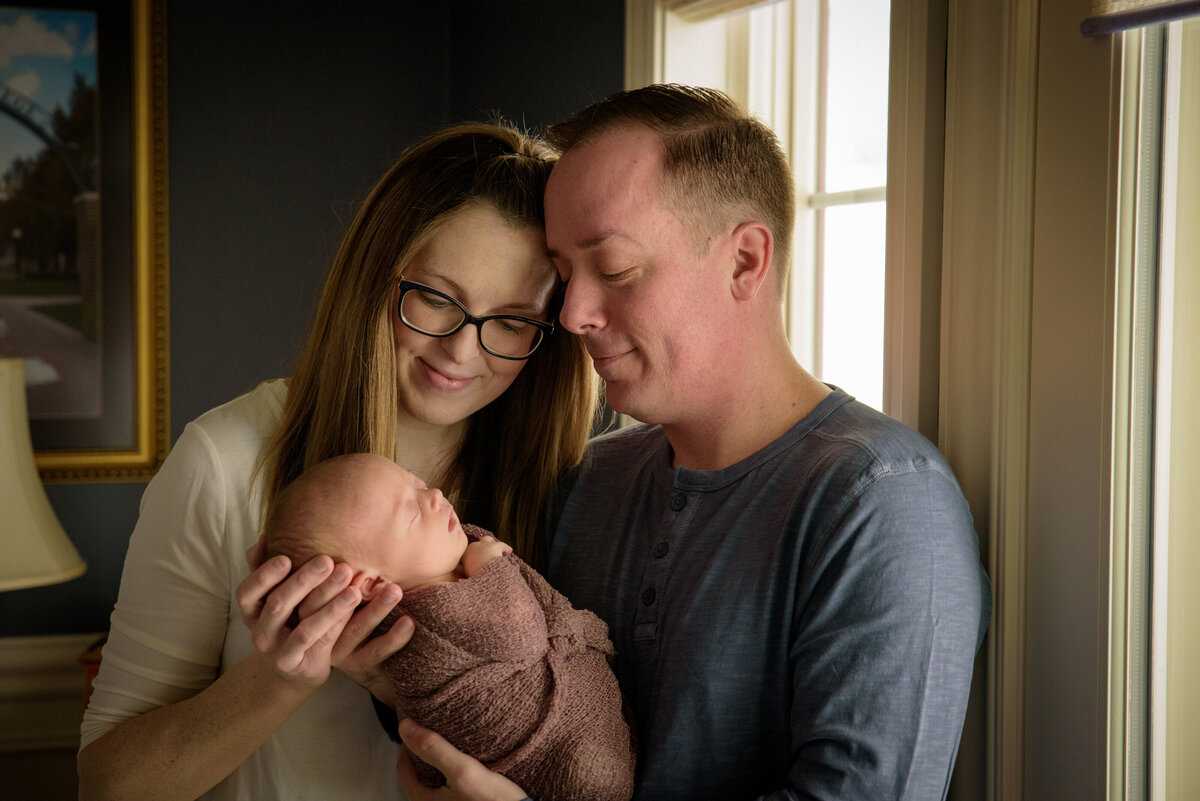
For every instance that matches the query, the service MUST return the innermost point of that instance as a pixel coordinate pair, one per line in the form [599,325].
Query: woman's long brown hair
[342,396]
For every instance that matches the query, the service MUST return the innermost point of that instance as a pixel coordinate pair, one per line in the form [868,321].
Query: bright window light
[816,71]
[852,300]
[852,173]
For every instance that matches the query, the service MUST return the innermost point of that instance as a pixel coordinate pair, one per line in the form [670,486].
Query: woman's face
[490,267]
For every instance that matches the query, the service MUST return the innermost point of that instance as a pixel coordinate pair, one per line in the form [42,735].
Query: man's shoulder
[639,439]
[876,477]
[613,460]
[857,436]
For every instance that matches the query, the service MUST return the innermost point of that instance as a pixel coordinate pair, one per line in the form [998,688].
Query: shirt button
[660,550]
[648,596]
[678,502]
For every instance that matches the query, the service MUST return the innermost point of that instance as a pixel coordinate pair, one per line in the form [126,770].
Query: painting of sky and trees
[50,312]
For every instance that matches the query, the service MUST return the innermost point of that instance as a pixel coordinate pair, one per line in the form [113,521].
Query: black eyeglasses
[432,313]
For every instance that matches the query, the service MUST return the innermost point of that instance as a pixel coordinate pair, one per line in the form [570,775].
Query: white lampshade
[34,549]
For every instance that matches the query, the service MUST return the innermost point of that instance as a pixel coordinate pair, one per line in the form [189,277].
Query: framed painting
[83,231]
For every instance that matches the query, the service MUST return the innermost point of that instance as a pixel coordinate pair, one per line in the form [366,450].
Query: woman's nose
[463,344]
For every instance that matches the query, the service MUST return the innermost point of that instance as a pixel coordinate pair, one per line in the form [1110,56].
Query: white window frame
[1017,178]
[960,379]
[783,90]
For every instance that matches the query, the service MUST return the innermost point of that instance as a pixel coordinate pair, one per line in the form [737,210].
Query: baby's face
[420,539]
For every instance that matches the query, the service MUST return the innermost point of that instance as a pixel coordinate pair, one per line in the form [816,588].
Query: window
[816,71]
[1155,705]
[1175,711]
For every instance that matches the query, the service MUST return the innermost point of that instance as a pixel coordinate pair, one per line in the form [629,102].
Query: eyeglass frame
[406,286]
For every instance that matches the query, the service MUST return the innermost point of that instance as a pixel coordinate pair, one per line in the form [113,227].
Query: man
[791,579]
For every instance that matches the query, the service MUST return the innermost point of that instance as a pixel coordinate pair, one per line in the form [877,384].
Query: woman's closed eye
[433,301]
[513,326]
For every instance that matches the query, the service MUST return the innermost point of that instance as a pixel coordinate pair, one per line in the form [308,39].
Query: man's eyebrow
[587,244]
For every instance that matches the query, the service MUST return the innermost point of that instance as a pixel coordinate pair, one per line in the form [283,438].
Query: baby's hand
[482,551]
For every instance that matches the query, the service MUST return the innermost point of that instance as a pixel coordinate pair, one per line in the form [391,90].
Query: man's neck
[760,414]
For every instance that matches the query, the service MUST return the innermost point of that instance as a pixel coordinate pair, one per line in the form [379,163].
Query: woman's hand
[329,631]
[358,656]
[466,778]
[317,598]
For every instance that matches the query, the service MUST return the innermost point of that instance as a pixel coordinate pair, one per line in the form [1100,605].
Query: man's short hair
[723,165]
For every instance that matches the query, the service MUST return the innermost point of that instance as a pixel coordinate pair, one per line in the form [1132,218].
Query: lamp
[34,549]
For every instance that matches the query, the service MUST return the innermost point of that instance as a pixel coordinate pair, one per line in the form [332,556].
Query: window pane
[852,300]
[856,95]
[1177,474]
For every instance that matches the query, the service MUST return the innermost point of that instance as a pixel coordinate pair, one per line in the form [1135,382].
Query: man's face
[652,310]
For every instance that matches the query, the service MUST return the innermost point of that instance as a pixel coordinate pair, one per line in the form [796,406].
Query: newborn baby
[500,664]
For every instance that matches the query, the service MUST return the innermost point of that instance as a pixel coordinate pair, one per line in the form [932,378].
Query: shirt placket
[652,592]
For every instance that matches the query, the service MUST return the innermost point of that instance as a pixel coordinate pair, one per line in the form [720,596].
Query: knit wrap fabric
[503,667]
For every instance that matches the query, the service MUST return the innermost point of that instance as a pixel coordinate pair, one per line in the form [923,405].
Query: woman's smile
[445,381]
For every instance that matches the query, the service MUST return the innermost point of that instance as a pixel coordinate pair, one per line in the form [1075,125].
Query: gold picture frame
[140,243]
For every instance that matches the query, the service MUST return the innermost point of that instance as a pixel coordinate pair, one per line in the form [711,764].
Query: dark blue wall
[281,117]
[535,61]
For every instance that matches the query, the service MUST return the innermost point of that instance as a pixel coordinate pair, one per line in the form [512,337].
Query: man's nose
[582,309]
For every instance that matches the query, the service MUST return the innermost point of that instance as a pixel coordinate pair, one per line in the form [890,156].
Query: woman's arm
[182,749]
[172,713]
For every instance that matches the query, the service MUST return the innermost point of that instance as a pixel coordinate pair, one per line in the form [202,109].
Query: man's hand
[466,778]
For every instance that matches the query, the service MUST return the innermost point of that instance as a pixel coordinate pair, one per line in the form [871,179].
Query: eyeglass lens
[435,315]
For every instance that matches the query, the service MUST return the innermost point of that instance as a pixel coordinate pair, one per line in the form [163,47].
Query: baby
[500,664]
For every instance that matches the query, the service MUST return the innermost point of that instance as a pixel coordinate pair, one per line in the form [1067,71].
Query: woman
[432,344]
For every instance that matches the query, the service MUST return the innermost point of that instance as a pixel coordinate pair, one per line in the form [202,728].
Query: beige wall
[1070,412]
[1026,371]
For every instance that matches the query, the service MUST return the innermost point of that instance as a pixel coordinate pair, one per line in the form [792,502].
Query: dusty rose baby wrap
[503,667]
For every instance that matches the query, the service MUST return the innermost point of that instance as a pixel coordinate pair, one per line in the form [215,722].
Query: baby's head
[372,514]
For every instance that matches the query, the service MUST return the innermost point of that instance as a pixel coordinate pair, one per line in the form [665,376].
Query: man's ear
[753,248]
